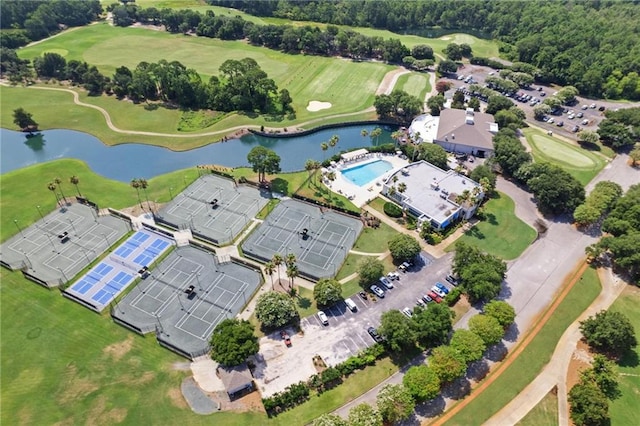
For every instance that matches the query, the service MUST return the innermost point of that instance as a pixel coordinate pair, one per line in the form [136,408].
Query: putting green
[414,83]
[562,152]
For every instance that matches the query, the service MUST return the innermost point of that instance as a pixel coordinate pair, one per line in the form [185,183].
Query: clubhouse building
[456,130]
[433,195]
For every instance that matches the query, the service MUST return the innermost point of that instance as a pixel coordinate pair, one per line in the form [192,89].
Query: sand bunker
[317,106]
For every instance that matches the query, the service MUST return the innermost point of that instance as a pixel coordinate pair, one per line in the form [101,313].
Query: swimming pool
[365,173]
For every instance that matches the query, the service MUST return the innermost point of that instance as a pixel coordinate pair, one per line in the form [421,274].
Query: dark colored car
[451,279]
[374,335]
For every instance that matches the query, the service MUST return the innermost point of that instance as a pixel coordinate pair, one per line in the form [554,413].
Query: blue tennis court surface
[105,281]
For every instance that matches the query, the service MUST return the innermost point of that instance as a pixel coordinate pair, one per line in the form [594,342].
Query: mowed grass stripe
[416,84]
[580,163]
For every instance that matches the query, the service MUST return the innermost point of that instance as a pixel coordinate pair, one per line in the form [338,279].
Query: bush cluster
[392,209]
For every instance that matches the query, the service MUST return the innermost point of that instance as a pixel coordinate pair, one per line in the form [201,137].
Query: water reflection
[127,161]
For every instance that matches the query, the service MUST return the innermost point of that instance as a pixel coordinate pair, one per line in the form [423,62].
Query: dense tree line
[38,19]
[306,39]
[623,227]
[398,106]
[600,201]
[590,45]
[620,129]
[242,85]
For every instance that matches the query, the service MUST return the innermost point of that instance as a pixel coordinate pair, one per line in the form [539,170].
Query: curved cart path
[555,372]
[385,87]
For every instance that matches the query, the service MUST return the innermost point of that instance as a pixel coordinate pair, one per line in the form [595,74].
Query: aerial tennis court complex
[185,297]
[320,250]
[60,245]
[214,208]
[104,282]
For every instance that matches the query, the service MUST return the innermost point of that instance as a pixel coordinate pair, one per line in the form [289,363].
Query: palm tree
[74,180]
[316,166]
[391,191]
[58,182]
[136,184]
[396,136]
[269,269]
[52,187]
[290,260]
[324,148]
[402,187]
[333,142]
[331,176]
[364,133]
[292,272]
[375,133]
[277,260]
[464,198]
[144,184]
[309,166]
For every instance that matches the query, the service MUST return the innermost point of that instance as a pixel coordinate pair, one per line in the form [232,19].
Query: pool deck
[359,195]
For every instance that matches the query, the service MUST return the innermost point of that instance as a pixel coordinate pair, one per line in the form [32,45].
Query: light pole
[180,301]
[74,228]
[52,245]
[15,221]
[86,257]
[63,275]
[170,193]
[41,215]
[106,239]
[198,279]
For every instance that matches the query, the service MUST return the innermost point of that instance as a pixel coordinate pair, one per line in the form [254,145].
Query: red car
[286,338]
[435,297]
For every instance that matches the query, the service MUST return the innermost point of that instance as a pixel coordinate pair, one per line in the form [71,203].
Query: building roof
[467,128]
[348,156]
[235,378]
[424,128]
[432,190]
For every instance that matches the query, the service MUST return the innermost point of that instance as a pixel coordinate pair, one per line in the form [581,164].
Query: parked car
[585,122]
[434,296]
[438,291]
[602,108]
[393,276]
[351,305]
[374,335]
[363,295]
[579,115]
[442,287]
[377,291]
[386,282]
[404,267]
[427,298]
[560,123]
[420,303]
[451,279]
[585,106]
[407,312]
[323,318]
[575,129]
[592,106]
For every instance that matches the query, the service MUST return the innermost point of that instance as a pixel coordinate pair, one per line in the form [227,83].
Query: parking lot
[589,120]
[346,332]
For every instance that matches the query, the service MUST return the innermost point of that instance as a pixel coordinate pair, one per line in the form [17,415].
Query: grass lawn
[543,414]
[350,86]
[24,189]
[580,163]
[375,240]
[536,355]
[414,83]
[312,188]
[624,410]
[62,363]
[501,233]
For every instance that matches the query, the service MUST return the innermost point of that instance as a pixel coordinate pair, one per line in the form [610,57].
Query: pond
[128,161]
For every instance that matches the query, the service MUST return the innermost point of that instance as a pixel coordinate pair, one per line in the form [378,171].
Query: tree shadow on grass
[629,359]
[304,302]
[491,218]
[475,233]
[589,146]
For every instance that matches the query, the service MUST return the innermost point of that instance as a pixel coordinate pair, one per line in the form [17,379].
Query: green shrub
[392,209]
[453,296]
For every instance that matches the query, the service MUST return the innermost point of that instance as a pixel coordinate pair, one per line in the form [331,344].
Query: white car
[438,291]
[377,291]
[393,276]
[386,282]
[407,312]
[323,318]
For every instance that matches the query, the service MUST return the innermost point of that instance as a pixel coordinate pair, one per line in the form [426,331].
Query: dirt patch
[580,361]
[73,388]
[146,377]
[176,398]
[120,349]
[140,209]
[99,415]
[249,403]
[181,366]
